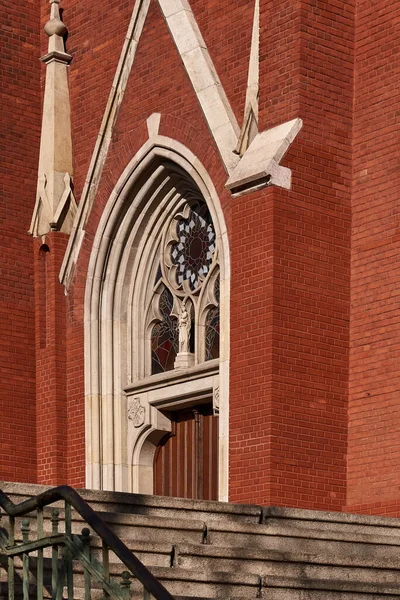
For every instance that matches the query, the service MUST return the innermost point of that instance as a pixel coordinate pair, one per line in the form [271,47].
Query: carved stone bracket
[259,166]
[136,412]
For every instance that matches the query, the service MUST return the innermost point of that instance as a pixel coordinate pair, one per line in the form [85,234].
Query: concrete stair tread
[134,520]
[345,528]
[206,575]
[131,528]
[282,530]
[273,581]
[222,583]
[133,503]
[294,567]
[180,581]
[144,504]
[132,524]
[151,546]
[270,555]
[179,574]
[274,527]
[240,578]
[320,516]
[149,521]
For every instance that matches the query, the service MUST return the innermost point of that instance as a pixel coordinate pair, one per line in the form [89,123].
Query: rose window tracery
[193,252]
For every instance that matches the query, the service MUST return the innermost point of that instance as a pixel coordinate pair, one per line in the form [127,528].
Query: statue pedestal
[184,360]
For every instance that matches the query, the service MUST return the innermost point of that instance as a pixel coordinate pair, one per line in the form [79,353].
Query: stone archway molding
[116,458]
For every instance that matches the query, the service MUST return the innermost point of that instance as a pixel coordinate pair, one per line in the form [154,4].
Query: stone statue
[184,329]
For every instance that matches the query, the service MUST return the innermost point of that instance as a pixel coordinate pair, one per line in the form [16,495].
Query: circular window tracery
[192,254]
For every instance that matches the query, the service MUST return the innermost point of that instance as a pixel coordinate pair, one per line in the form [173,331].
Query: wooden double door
[186,460]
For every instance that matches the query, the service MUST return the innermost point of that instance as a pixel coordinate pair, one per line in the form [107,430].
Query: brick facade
[314,412]
[19,151]
[374,417]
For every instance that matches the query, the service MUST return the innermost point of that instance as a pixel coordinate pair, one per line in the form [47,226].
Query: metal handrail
[68,494]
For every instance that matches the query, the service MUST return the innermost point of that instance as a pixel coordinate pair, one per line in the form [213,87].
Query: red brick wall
[95,42]
[280,59]
[19,146]
[96,36]
[227,28]
[294,452]
[374,414]
[312,266]
[290,251]
[51,375]
[251,448]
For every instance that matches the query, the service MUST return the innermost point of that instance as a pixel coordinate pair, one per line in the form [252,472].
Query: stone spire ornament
[260,152]
[55,203]
[250,120]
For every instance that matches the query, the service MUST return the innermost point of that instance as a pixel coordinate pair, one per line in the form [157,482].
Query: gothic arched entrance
[157,299]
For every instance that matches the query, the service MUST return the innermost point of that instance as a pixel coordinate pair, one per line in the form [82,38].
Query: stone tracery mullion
[206,301]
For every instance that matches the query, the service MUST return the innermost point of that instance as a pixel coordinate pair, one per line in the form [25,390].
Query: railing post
[125,584]
[11,568]
[68,533]
[85,537]
[106,568]
[25,559]
[39,571]
[146,594]
[54,554]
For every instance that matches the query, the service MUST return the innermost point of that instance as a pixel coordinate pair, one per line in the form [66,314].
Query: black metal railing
[64,550]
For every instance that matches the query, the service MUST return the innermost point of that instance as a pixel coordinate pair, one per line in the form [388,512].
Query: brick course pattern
[314,411]
[374,408]
[19,151]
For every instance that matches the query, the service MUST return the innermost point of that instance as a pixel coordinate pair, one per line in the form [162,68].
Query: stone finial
[56,30]
[55,203]
[54,25]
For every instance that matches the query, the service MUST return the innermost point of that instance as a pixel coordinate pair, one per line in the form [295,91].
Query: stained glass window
[195,247]
[212,328]
[185,272]
[164,337]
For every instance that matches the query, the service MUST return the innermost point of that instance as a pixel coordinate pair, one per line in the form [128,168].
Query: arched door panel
[186,460]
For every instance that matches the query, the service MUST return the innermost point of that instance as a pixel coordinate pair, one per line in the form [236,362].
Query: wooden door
[186,461]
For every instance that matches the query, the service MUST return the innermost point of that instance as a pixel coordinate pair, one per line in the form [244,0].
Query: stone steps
[156,506]
[201,549]
[261,561]
[209,583]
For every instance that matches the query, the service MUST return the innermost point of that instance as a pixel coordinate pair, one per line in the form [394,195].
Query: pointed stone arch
[123,420]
